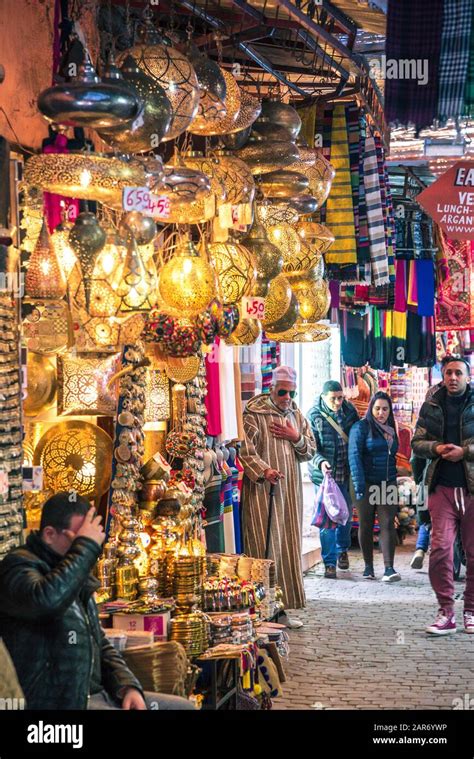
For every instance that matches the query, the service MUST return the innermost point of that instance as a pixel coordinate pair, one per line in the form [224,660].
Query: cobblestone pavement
[363,644]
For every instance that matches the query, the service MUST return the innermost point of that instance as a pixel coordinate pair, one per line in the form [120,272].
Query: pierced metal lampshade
[134,282]
[268,258]
[220,125]
[174,72]
[64,252]
[314,234]
[320,175]
[87,101]
[283,184]
[87,238]
[247,332]
[235,270]
[250,109]
[236,140]
[289,244]
[263,129]
[142,227]
[282,114]
[302,332]
[263,157]
[212,85]
[44,277]
[210,167]
[184,184]
[305,205]
[158,407]
[148,129]
[187,283]
[84,175]
[313,298]
[238,179]
[281,306]
[270,214]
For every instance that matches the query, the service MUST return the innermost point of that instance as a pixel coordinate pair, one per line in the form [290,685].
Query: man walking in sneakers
[331,419]
[445,435]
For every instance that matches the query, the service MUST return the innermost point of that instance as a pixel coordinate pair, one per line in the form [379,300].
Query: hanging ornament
[171,70]
[320,174]
[263,130]
[313,298]
[84,175]
[212,85]
[152,124]
[187,283]
[44,277]
[238,179]
[62,247]
[87,101]
[283,184]
[250,109]
[247,332]
[316,235]
[109,266]
[236,140]
[270,214]
[134,283]
[87,238]
[235,270]
[281,306]
[289,244]
[271,155]
[282,114]
[210,166]
[142,227]
[220,125]
[302,332]
[267,257]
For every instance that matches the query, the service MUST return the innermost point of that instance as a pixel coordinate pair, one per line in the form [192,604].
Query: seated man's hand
[133,699]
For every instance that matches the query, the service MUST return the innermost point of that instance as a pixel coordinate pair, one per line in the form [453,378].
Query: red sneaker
[469,622]
[444,625]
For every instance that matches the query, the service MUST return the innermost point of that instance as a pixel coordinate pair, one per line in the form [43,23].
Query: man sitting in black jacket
[49,620]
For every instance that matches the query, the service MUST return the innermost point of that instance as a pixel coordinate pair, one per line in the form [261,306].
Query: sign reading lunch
[450,201]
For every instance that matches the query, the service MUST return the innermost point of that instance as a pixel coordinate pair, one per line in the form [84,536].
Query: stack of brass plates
[192,631]
[188,575]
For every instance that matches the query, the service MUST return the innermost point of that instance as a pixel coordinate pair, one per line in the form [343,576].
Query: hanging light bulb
[62,247]
[187,283]
[45,277]
[133,283]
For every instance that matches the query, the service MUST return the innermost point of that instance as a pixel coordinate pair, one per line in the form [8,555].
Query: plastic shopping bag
[334,501]
[320,516]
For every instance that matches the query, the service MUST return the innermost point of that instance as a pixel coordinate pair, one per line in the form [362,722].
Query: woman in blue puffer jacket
[373,444]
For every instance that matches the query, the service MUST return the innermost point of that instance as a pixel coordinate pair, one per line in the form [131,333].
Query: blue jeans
[423,540]
[335,542]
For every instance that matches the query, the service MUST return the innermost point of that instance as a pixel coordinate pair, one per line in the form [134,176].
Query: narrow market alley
[363,644]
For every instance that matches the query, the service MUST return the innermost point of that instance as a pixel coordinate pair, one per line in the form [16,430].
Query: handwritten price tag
[253,308]
[141,199]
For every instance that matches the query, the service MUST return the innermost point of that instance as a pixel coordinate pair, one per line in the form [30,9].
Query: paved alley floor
[363,644]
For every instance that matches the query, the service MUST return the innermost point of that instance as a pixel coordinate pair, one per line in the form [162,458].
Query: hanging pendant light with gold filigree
[270,213]
[187,283]
[235,270]
[313,297]
[109,267]
[133,283]
[209,126]
[315,234]
[62,246]
[267,257]
[281,306]
[44,277]
[87,238]
[238,179]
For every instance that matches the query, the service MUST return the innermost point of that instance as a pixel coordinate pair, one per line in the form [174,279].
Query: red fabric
[455,307]
[400,286]
[55,205]
[213,404]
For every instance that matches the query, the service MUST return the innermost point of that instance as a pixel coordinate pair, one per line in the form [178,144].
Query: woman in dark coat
[373,444]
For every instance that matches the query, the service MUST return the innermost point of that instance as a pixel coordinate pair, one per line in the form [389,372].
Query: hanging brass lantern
[247,332]
[220,125]
[87,101]
[62,246]
[187,283]
[238,179]
[317,235]
[250,109]
[282,114]
[134,283]
[152,124]
[302,332]
[209,166]
[236,140]
[212,84]
[142,227]
[235,270]
[87,239]
[283,184]
[173,71]
[263,130]
[320,175]
[184,184]
[84,175]
[44,277]
[305,205]
[270,214]
[281,306]
[268,258]
[109,267]
[313,298]
[287,241]
[271,155]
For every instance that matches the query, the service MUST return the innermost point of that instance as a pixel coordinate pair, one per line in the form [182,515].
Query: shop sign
[141,199]
[253,308]
[450,201]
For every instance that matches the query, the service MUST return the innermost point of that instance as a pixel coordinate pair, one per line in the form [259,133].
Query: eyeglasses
[281,393]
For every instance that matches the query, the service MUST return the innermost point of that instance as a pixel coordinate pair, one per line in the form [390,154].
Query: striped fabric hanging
[375,215]
[454,59]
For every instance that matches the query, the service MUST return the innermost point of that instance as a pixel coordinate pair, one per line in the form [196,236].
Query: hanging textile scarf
[308,123]
[425,287]
[378,249]
[340,210]
[455,307]
[453,64]
[469,89]
[413,34]
[363,245]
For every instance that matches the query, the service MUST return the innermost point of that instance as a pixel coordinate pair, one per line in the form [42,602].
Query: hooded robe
[261,450]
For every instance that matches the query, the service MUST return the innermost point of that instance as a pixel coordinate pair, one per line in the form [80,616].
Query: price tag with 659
[253,308]
[141,199]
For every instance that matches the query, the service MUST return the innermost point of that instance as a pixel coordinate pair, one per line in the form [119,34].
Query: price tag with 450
[253,308]
[141,199]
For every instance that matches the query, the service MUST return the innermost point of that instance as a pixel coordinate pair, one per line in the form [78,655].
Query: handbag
[321,518]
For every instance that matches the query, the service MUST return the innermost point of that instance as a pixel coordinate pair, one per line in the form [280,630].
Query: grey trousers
[154,702]
[388,535]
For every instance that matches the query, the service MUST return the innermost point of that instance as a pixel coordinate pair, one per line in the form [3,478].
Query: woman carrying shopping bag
[373,444]
[331,419]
